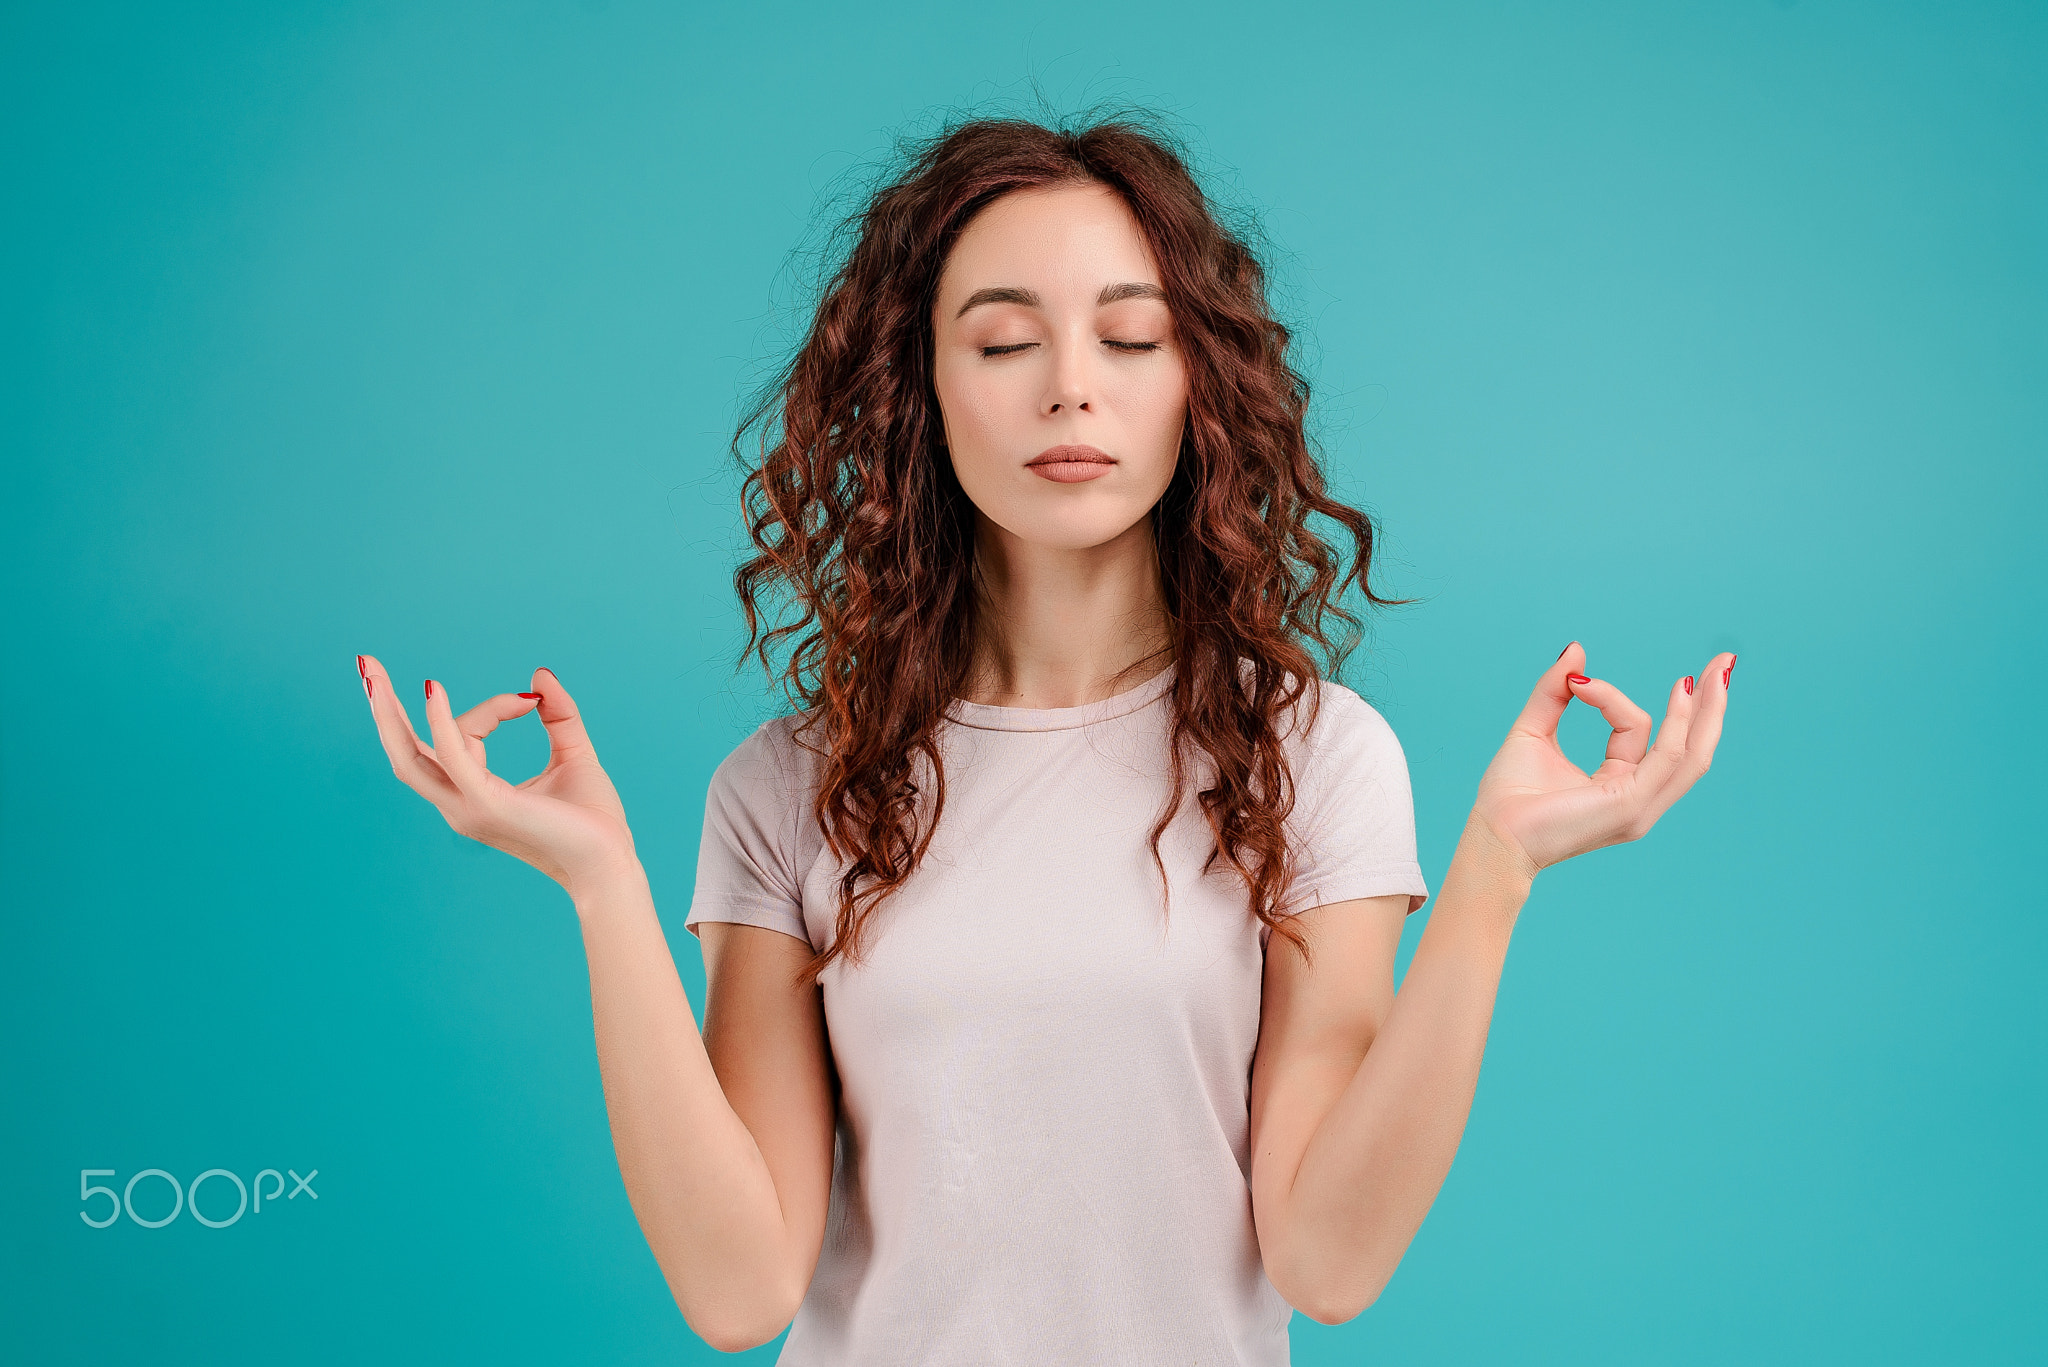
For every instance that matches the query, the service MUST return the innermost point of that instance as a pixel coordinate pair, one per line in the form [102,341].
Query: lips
[1071,464]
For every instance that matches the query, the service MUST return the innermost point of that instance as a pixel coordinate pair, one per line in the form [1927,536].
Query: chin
[1071,532]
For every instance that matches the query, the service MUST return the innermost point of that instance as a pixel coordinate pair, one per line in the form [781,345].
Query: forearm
[1374,1166]
[698,1184]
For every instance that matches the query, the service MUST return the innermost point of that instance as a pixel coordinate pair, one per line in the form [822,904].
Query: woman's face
[1060,381]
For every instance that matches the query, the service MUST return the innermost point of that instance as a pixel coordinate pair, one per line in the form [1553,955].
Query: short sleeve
[748,862]
[1354,816]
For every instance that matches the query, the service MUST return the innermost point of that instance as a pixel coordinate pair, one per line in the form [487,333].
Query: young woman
[1049,945]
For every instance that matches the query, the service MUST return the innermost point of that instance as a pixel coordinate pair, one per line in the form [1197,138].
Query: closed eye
[1014,347]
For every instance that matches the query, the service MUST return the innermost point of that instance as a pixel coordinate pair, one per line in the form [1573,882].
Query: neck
[1063,628]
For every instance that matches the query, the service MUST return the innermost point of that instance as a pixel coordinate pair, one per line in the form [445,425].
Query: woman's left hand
[1549,809]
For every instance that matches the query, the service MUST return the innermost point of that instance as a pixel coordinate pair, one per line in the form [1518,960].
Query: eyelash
[994,351]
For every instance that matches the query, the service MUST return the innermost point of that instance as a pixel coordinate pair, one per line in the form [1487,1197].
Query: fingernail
[361,668]
[369,689]
[1560,654]
[1578,678]
[430,688]
[1728,671]
[529,695]
[1688,683]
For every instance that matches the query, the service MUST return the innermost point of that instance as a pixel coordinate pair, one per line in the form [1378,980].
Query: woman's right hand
[567,820]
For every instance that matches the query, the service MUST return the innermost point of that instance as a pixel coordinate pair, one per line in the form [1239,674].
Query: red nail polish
[430,688]
[1728,671]
[1578,678]
[369,689]
[1688,683]
[529,695]
[361,668]
[1560,654]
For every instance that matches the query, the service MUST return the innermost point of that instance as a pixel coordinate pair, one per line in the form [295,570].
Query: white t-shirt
[1043,1146]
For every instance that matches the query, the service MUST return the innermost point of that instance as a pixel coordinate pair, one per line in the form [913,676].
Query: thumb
[1552,695]
[557,712]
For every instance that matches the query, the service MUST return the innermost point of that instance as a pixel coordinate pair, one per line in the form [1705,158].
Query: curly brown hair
[862,529]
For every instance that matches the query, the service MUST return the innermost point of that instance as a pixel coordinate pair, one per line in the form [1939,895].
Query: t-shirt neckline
[989,717]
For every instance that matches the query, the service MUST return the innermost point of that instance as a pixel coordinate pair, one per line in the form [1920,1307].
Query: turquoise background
[419,330]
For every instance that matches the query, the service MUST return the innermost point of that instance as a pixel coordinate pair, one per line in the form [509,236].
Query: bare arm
[726,1150]
[1359,1096]
[724,1139]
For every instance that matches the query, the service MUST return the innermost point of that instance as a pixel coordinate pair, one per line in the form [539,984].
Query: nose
[1070,387]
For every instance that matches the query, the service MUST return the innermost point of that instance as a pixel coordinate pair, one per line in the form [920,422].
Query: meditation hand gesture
[566,820]
[1548,809]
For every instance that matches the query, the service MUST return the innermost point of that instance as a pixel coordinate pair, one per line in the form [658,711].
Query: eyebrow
[1010,294]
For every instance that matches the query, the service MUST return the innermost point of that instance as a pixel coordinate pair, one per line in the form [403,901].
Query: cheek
[1156,409]
[973,407]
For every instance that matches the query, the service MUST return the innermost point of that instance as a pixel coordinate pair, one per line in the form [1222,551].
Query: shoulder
[1330,718]
[774,771]
[758,843]
[776,752]
[1342,754]
[758,816]
[1353,804]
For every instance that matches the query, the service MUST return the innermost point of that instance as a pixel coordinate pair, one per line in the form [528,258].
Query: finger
[483,719]
[1552,696]
[1668,754]
[1631,738]
[1713,707]
[411,761]
[1684,767]
[467,775]
[558,713]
